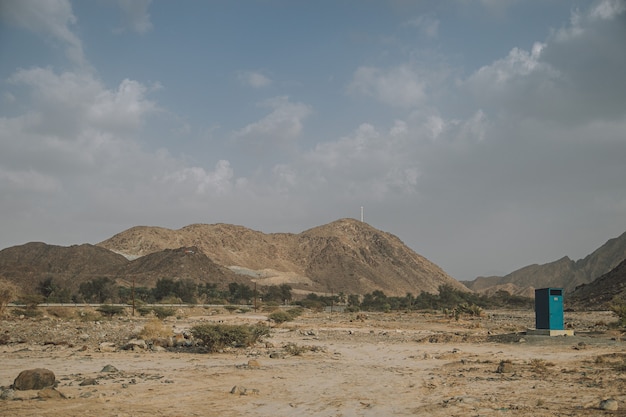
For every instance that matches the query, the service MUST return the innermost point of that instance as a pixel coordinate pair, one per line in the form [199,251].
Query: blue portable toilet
[549,308]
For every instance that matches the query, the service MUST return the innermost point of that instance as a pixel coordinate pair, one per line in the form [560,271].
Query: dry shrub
[297,350]
[540,365]
[155,329]
[8,293]
[61,312]
[89,315]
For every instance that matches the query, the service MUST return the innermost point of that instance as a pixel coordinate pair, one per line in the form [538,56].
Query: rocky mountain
[27,265]
[564,272]
[343,256]
[600,293]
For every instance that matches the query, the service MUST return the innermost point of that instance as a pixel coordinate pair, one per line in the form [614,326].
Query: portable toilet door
[549,308]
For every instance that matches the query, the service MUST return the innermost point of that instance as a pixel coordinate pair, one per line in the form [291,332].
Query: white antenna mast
[361,214]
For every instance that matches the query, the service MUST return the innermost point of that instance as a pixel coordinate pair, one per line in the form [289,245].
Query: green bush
[110,310]
[281,316]
[218,336]
[27,312]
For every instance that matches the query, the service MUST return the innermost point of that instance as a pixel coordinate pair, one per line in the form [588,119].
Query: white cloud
[557,79]
[70,101]
[219,181]
[428,25]
[51,18]
[27,180]
[607,9]
[253,79]
[367,164]
[401,86]
[283,125]
[135,15]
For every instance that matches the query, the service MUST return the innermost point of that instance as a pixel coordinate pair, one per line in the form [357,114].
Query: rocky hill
[564,272]
[344,256]
[598,294]
[27,265]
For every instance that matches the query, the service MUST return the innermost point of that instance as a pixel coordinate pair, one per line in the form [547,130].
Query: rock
[238,389]
[50,393]
[107,347]
[34,379]
[109,368]
[277,355]
[89,381]
[609,405]
[253,363]
[7,394]
[135,344]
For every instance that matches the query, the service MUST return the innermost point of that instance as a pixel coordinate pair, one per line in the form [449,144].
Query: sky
[487,135]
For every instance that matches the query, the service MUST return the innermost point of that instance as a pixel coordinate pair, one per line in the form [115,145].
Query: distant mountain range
[563,273]
[346,256]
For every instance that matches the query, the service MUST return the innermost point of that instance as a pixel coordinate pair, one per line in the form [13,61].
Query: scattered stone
[135,344]
[34,379]
[238,389]
[609,405]
[89,381]
[253,363]
[107,347]
[109,369]
[505,367]
[50,393]
[7,394]
[156,348]
[277,355]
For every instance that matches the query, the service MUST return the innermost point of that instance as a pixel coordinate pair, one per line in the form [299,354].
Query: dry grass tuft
[155,329]
[61,312]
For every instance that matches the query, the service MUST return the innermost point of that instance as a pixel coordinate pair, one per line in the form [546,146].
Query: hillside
[343,256]
[27,265]
[598,294]
[564,272]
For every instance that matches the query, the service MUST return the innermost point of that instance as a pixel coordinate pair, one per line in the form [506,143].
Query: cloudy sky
[487,135]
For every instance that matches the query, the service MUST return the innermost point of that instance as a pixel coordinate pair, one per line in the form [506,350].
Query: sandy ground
[396,364]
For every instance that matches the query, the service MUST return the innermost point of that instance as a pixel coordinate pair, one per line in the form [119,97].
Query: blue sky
[487,135]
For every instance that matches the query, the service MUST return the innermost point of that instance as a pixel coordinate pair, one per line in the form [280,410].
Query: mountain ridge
[342,256]
[564,272]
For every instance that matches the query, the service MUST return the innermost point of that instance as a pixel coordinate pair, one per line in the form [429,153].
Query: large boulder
[38,379]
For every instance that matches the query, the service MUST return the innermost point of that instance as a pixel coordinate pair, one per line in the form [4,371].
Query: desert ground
[322,364]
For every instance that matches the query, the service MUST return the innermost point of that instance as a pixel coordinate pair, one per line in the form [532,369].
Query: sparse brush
[281,316]
[231,308]
[540,365]
[61,312]
[155,329]
[110,310]
[27,312]
[89,315]
[218,336]
[296,350]
[618,306]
